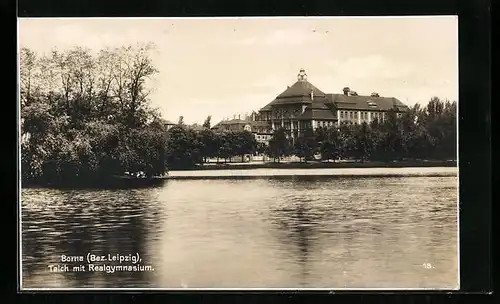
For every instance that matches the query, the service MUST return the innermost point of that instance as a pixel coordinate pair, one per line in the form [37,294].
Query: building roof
[252,123]
[301,88]
[232,122]
[311,113]
[168,122]
[324,106]
[266,108]
[366,103]
[235,121]
[299,92]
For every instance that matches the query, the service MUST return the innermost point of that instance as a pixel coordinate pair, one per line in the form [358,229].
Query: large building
[302,105]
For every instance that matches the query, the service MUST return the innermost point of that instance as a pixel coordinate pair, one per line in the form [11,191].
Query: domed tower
[302,76]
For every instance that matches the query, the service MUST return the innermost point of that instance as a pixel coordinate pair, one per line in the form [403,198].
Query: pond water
[305,228]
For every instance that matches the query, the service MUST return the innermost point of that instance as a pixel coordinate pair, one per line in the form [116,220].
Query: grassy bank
[317,165]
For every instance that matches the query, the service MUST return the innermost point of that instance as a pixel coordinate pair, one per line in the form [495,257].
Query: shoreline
[243,171]
[320,165]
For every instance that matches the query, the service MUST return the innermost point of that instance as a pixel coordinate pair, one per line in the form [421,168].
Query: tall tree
[246,144]
[363,141]
[206,124]
[184,149]
[306,145]
[208,139]
[226,146]
[87,116]
[29,75]
[279,145]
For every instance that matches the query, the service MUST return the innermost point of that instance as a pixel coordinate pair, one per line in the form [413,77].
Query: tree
[347,142]
[306,145]
[226,146]
[363,141]
[261,148]
[29,75]
[208,139]
[279,145]
[87,116]
[184,150]
[206,124]
[243,143]
[328,141]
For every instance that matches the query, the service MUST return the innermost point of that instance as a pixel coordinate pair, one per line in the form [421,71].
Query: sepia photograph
[290,153]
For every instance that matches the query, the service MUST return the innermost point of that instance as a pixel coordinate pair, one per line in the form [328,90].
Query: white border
[330,290]
[18,171]
[458,157]
[245,17]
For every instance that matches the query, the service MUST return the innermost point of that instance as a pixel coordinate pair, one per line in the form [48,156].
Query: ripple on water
[288,232]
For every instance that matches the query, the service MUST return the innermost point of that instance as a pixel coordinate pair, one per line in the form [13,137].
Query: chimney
[239,116]
[374,94]
[346,90]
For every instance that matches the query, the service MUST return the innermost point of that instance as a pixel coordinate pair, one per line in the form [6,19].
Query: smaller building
[168,124]
[260,129]
[352,108]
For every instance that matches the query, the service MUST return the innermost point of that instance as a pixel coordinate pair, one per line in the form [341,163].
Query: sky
[228,66]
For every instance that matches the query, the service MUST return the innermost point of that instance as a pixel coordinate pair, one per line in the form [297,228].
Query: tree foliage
[279,145]
[420,133]
[86,116]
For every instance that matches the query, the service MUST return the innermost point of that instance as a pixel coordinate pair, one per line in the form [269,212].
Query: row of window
[262,137]
[348,123]
[364,115]
[325,123]
[348,114]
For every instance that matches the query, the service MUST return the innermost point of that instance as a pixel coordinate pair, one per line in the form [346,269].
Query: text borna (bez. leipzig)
[133,258]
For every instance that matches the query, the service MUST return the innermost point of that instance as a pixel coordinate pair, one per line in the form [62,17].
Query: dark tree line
[421,133]
[85,116]
[188,148]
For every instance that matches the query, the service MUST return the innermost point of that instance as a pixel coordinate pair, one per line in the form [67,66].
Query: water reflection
[75,223]
[285,231]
